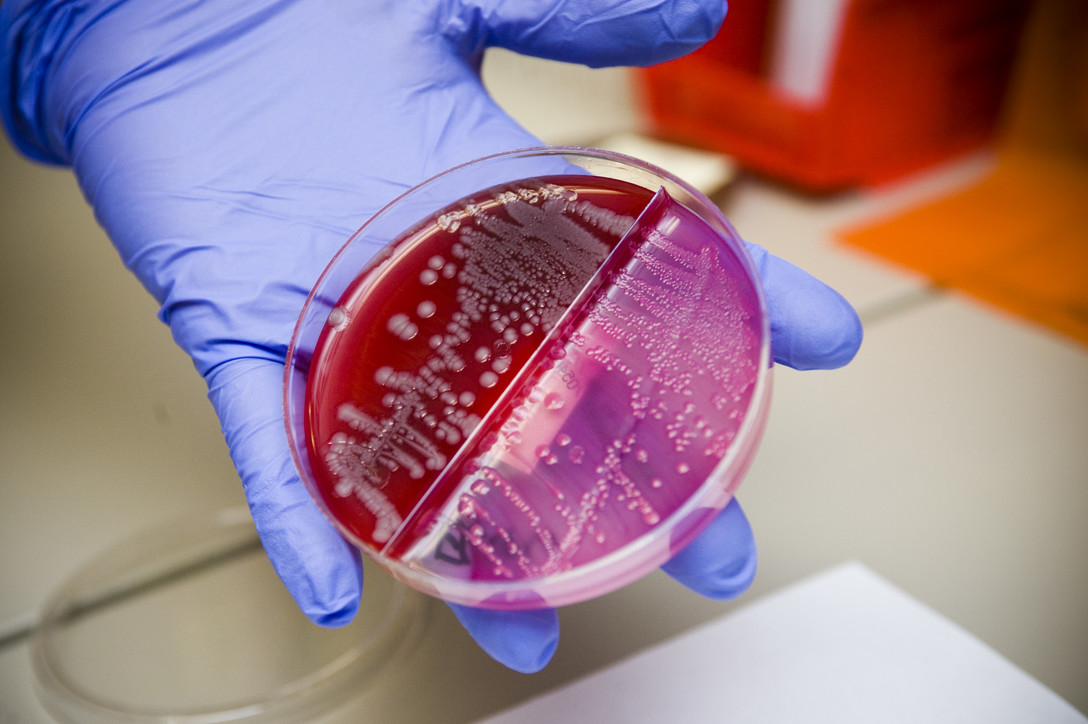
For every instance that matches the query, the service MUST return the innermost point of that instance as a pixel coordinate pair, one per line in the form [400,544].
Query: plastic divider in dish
[542,387]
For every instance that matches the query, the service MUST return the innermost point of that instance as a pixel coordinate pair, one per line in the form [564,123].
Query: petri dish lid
[188,622]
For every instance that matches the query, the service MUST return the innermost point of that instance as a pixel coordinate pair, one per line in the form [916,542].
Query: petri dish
[531,379]
[188,622]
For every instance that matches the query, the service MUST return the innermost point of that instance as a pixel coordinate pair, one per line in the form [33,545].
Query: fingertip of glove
[721,562]
[835,339]
[321,571]
[332,601]
[524,641]
[687,27]
[719,583]
[334,617]
[533,660]
[812,325]
[639,33]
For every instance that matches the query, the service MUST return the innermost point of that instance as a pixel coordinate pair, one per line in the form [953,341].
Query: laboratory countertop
[949,457]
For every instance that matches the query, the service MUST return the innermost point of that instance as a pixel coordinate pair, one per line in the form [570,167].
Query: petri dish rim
[592,160]
[171,551]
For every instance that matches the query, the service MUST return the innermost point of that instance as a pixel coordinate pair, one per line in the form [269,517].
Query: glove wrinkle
[35,34]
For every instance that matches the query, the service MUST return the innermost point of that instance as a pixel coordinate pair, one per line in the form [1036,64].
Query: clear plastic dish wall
[604,527]
[188,623]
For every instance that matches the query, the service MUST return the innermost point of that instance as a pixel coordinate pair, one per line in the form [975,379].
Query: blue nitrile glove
[230,148]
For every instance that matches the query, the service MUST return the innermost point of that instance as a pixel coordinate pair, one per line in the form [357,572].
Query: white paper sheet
[844,646]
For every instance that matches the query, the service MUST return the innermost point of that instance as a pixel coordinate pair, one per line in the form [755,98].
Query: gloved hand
[230,148]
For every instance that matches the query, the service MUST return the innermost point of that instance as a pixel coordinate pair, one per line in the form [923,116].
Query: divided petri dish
[531,379]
